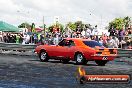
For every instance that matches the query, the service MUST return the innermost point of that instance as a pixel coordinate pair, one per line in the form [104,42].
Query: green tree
[50,28]
[71,25]
[117,23]
[24,25]
[120,23]
[79,25]
[127,21]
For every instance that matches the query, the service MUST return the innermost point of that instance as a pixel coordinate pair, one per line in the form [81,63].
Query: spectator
[8,37]
[96,38]
[78,29]
[129,43]
[116,42]
[14,38]
[41,39]
[21,38]
[1,37]
[101,40]
[50,40]
[89,38]
[35,38]
[26,39]
[73,34]
[104,37]
[56,38]
[88,32]
[123,44]
[17,38]
[5,38]
[130,33]
[112,32]
[111,42]
[32,38]
[95,30]
[121,34]
[83,33]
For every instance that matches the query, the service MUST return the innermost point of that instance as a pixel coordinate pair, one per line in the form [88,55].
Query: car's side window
[69,43]
[66,43]
[62,43]
[72,43]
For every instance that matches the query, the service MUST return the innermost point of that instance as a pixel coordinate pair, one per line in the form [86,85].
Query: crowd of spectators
[116,39]
[124,36]
[20,38]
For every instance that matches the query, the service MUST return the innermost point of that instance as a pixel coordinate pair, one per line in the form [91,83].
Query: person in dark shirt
[21,38]
[9,38]
[113,32]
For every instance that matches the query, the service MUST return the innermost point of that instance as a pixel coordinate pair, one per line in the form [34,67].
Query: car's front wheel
[79,58]
[43,56]
[101,62]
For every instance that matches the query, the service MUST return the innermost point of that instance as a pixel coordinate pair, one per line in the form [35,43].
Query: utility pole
[44,30]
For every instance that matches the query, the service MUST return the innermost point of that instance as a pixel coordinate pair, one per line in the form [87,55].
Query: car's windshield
[92,43]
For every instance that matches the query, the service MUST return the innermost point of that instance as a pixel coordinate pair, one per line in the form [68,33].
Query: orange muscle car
[79,50]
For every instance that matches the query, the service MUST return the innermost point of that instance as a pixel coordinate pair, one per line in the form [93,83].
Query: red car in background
[79,50]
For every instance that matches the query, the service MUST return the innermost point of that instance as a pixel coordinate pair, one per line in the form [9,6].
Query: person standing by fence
[26,39]
[116,42]
[17,38]
[1,37]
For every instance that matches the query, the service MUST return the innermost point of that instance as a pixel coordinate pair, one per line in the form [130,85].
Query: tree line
[117,23]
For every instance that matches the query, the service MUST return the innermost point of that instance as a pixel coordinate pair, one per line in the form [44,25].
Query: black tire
[101,62]
[65,61]
[43,56]
[79,58]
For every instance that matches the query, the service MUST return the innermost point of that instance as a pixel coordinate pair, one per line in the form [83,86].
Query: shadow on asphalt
[73,63]
[59,61]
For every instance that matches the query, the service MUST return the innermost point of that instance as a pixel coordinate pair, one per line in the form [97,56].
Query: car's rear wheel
[101,62]
[79,58]
[65,61]
[43,56]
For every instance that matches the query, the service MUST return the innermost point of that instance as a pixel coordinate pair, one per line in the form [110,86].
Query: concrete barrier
[20,48]
[17,47]
[124,53]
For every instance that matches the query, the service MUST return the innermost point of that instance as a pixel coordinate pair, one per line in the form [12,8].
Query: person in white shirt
[116,42]
[83,33]
[111,42]
[56,38]
[26,39]
[95,31]
[88,32]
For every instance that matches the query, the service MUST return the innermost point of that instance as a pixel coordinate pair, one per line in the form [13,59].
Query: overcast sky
[98,12]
